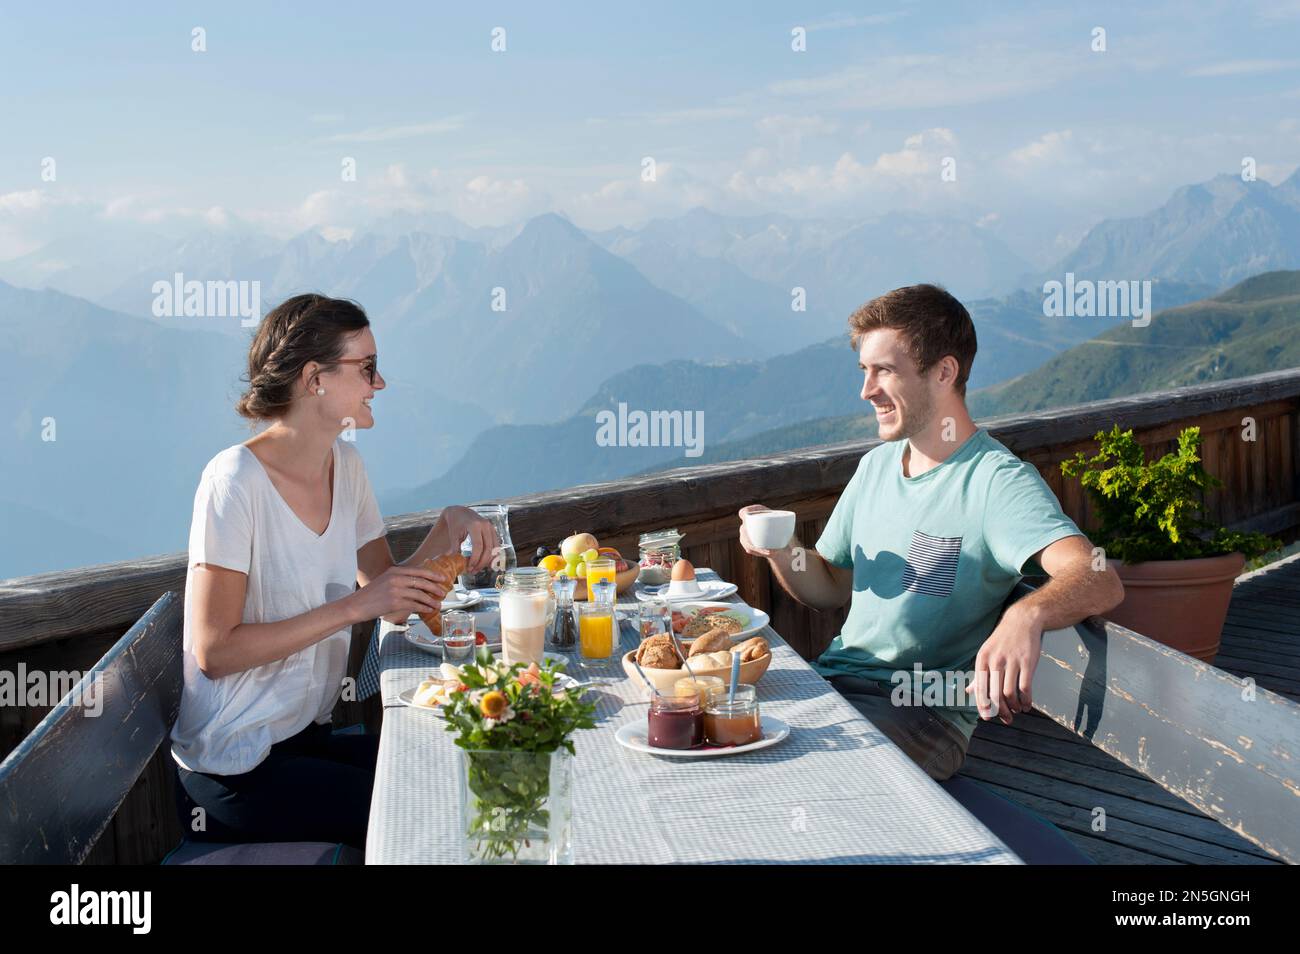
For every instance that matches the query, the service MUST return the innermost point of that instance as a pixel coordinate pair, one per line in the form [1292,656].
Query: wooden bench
[1228,749]
[1191,728]
[61,786]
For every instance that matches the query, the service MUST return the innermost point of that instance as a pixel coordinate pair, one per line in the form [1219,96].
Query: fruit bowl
[665,679]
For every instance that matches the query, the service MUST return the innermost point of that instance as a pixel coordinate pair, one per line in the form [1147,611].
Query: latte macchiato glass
[526,606]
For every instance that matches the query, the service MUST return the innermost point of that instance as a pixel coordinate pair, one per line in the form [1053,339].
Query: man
[929,537]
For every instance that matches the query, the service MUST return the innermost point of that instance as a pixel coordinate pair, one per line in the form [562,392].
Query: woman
[285,529]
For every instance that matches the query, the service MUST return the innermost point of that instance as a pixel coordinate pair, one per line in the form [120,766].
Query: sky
[1046,135]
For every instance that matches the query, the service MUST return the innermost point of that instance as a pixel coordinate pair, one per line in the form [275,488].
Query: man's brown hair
[932,322]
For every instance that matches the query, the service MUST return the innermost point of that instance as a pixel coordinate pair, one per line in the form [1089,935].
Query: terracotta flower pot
[1181,603]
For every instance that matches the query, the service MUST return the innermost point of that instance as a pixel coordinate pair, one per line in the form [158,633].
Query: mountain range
[748,408]
[692,312]
[1248,329]
[1216,233]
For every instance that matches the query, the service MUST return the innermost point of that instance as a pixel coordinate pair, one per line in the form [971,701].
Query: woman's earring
[320,392]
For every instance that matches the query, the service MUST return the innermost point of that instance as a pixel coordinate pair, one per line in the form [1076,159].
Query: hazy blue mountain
[826,430]
[1246,330]
[1217,233]
[1015,336]
[750,407]
[574,314]
[87,264]
[1249,329]
[758,311]
[839,263]
[137,409]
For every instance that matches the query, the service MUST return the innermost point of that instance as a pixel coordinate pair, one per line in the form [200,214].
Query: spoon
[644,677]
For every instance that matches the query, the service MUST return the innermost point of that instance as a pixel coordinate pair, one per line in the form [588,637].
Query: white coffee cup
[770,529]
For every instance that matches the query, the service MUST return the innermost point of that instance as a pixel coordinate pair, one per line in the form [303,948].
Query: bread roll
[657,652]
[712,641]
[710,662]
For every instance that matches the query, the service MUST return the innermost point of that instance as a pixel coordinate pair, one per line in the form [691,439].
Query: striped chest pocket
[931,564]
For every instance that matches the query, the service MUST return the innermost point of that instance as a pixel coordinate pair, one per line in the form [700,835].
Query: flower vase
[516,807]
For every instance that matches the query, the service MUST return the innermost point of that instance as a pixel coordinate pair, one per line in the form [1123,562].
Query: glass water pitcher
[502,561]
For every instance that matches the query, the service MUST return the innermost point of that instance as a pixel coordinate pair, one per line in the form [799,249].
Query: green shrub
[1156,510]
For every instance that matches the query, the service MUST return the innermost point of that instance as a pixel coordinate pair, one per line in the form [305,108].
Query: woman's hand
[462,522]
[400,591]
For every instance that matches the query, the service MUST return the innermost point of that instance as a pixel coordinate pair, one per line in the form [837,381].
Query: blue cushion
[1031,836]
[263,853]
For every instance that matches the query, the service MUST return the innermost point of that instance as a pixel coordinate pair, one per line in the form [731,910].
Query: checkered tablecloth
[836,791]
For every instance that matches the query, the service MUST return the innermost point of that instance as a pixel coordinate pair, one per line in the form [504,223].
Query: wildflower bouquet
[511,721]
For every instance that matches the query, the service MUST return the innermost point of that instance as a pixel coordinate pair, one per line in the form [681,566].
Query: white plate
[709,590]
[462,599]
[633,736]
[757,618]
[407,696]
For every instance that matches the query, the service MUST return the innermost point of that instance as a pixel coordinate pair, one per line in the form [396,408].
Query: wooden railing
[1251,441]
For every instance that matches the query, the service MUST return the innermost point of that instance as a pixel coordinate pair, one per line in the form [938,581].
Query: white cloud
[1050,147]
[28,200]
[1244,67]
[389,133]
[910,177]
[630,200]
[1279,10]
[919,81]
[920,156]
[783,125]
[845,22]
[700,114]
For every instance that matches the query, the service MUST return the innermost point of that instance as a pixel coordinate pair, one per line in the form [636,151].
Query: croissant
[755,648]
[452,564]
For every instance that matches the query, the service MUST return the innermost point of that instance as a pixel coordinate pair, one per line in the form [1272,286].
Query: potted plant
[513,727]
[1177,567]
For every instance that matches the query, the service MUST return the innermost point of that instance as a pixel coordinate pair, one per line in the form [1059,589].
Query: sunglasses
[369,366]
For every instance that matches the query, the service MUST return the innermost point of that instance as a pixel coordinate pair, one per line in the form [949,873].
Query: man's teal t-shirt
[933,557]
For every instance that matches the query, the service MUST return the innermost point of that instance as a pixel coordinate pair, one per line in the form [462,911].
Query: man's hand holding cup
[764,531]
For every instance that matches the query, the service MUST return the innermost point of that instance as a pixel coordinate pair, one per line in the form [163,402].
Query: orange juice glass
[597,632]
[599,569]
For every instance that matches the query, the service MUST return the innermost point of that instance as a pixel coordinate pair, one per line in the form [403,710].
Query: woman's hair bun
[299,330]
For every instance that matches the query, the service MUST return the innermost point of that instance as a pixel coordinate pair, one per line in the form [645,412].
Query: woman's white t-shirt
[227,725]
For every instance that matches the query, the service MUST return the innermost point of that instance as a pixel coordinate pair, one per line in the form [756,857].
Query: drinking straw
[735,678]
[641,671]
